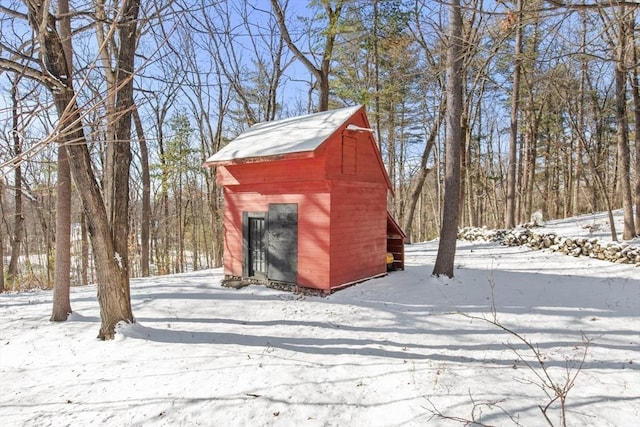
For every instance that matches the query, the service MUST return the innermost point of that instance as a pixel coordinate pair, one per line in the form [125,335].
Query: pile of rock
[621,253]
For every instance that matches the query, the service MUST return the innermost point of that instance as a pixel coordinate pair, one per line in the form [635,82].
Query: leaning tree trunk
[112,276]
[111,273]
[111,266]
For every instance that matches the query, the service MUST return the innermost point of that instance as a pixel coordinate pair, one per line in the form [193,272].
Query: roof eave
[260,159]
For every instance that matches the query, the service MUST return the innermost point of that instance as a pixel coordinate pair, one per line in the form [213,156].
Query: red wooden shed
[305,202]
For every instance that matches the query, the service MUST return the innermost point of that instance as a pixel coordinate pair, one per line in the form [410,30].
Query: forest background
[550,115]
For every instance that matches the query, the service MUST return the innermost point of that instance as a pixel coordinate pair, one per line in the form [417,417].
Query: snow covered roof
[293,135]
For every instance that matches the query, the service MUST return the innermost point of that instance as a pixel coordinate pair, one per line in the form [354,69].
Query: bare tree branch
[287,38]
[13,13]
[30,72]
[595,5]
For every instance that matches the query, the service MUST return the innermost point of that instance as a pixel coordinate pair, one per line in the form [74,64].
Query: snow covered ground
[388,352]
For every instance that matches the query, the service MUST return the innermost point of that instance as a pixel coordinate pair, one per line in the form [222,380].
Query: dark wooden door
[254,245]
[257,249]
[282,240]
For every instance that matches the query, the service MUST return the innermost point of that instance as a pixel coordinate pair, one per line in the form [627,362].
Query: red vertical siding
[358,231]
[358,205]
[269,172]
[313,201]
[314,241]
[368,168]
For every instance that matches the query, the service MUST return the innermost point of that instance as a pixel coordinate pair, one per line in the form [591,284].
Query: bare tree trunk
[112,277]
[179,219]
[164,265]
[624,154]
[510,218]
[18,217]
[2,288]
[84,250]
[196,214]
[448,232]
[62,273]
[213,193]
[531,172]
[120,123]
[474,204]
[146,195]
[391,145]
[557,174]
[581,117]
[215,210]
[635,90]
[465,154]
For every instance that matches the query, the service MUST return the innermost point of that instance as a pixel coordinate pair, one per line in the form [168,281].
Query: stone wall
[622,253]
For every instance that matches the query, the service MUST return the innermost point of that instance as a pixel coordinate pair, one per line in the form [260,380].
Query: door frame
[247,248]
